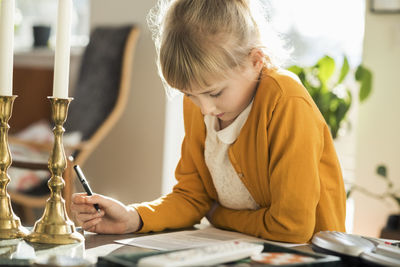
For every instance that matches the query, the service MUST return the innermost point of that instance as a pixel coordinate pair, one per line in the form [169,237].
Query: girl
[257,156]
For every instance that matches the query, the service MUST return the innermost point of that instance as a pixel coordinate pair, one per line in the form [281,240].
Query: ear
[257,58]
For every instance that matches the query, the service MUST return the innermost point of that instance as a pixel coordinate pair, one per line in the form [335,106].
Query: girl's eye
[216,95]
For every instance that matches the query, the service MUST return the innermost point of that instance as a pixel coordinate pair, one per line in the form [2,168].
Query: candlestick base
[55,227]
[10,224]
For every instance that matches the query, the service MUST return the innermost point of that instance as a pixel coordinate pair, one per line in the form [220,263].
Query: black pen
[85,184]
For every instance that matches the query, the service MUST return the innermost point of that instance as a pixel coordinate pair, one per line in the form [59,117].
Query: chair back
[102,87]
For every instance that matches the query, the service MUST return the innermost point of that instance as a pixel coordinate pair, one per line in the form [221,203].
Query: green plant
[331,92]
[389,193]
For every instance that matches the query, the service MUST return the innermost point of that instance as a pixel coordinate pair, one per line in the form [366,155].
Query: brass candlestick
[10,224]
[55,227]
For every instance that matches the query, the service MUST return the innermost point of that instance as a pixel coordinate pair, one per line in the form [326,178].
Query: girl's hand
[113,218]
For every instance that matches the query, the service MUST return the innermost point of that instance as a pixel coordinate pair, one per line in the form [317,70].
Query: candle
[62,53]
[6,46]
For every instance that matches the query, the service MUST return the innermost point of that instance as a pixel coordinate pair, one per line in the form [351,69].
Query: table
[101,245]
[96,245]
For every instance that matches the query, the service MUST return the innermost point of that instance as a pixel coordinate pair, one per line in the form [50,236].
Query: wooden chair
[100,98]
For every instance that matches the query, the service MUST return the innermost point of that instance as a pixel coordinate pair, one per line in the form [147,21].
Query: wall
[378,130]
[128,163]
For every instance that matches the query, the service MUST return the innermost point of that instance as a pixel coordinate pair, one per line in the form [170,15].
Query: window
[314,28]
[44,12]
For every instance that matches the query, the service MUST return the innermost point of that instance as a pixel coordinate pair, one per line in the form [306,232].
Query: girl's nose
[207,107]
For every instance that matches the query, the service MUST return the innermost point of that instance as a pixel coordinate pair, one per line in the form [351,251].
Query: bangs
[187,61]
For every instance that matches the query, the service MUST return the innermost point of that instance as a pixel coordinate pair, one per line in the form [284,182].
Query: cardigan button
[240,175]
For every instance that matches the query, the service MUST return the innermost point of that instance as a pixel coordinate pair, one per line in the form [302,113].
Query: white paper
[191,239]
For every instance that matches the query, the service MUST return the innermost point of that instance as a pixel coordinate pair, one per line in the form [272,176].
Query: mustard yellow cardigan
[285,157]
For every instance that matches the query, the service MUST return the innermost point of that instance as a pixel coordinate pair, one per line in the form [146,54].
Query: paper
[191,239]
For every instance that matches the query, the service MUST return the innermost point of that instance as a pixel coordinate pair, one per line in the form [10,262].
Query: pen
[85,184]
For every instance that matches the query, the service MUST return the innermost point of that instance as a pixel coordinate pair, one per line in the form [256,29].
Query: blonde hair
[198,40]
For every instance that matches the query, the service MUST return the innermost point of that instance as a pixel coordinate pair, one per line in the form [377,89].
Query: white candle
[62,53]
[6,46]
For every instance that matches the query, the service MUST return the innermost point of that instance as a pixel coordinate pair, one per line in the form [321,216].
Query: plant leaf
[381,170]
[397,199]
[348,193]
[345,69]
[295,69]
[364,77]
[342,110]
[326,68]
[302,77]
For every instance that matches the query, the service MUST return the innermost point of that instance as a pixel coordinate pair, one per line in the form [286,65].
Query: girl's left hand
[210,213]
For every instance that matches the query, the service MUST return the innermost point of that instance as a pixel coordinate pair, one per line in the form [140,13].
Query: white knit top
[231,191]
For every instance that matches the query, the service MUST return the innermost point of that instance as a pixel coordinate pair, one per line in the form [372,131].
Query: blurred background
[136,161]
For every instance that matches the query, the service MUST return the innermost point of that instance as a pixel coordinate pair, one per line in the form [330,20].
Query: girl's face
[227,98]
